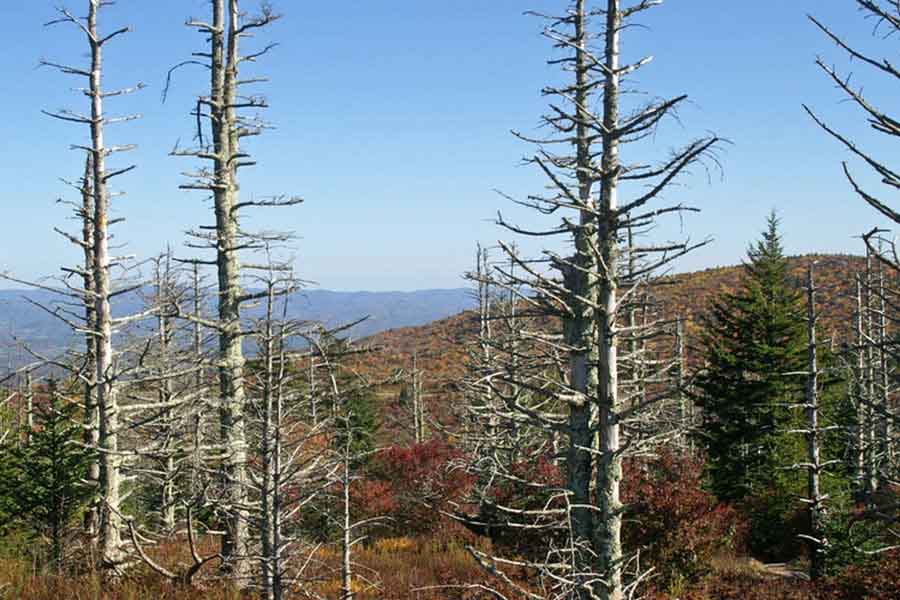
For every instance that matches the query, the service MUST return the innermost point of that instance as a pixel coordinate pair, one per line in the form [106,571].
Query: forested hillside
[441,345]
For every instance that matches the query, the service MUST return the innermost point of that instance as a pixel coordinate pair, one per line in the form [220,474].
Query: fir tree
[752,338]
[48,486]
[361,413]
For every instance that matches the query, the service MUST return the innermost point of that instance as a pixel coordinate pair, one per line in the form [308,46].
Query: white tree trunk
[814,468]
[609,469]
[223,100]
[110,460]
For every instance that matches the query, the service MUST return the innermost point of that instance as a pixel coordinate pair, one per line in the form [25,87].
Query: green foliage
[361,416]
[751,339]
[44,478]
[857,536]
[8,474]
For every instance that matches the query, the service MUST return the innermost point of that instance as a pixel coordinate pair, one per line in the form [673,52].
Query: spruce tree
[751,338]
[47,486]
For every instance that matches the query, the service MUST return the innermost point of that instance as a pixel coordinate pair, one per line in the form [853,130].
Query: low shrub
[413,486]
[676,525]
[877,579]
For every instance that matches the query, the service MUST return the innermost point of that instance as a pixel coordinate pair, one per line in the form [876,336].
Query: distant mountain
[22,320]
[436,324]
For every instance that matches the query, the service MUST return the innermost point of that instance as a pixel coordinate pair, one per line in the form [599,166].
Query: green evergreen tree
[47,480]
[9,473]
[752,338]
[361,412]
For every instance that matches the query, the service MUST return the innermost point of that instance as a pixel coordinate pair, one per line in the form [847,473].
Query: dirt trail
[785,571]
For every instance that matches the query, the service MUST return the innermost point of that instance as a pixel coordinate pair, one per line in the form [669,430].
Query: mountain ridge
[435,322]
[22,323]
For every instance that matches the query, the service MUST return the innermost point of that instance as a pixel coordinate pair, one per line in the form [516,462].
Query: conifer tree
[48,486]
[752,339]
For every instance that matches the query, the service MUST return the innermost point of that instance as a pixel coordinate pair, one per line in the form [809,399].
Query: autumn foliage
[414,486]
[677,526]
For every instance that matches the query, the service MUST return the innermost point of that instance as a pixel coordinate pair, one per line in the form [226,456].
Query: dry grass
[429,568]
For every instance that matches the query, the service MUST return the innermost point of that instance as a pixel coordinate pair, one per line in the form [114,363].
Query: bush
[876,580]
[776,520]
[677,526]
[412,486]
[850,539]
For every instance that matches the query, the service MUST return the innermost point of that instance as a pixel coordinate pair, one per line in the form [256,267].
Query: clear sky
[393,122]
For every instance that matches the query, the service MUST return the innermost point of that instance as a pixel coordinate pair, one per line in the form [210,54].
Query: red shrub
[528,486]
[677,525]
[877,580]
[411,485]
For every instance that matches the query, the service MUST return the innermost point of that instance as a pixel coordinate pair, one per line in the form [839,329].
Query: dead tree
[347,446]
[417,391]
[220,111]
[105,372]
[165,295]
[590,291]
[813,432]
[293,462]
[870,364]
[91,415]
[167,397]
[875,416]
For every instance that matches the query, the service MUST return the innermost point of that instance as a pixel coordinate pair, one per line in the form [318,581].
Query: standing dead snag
[221,110]
[593,288]
[110,522]
[417,391]
[815,500]
[871,359]
[91,414]
[291,464]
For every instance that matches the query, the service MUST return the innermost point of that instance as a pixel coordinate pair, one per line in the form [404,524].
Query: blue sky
[393,117]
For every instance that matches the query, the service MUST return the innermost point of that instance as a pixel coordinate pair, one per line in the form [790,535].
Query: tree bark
[814,495]
[580,333]
[223,99]
[609,469]
[107,403]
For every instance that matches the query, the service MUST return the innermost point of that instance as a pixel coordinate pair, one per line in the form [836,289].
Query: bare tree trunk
[164,298]
[580,329]
[91,414]
[269,488]
[29,406]
[814,497]
[199,382]
[278,471]
[684,407]
[223,100]
[418,407]
[347,529]
[861,401]
[609,469]
[881,341]
[110,460]
[871,447]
